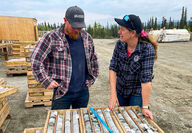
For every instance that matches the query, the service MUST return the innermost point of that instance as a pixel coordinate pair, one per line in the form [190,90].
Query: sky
[100,11]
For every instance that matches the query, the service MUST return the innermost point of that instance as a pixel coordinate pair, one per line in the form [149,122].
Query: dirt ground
[170,101]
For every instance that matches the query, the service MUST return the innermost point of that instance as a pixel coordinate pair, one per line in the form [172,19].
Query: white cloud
[99,11]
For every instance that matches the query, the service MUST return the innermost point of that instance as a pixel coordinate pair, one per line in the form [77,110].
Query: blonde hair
[149,39]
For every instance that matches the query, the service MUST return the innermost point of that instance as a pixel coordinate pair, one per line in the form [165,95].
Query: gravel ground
[170,101]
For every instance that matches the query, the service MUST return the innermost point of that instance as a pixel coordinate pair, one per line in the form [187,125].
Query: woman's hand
[147,113]
[112,101]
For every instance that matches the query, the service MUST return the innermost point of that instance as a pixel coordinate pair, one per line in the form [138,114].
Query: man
[65,60]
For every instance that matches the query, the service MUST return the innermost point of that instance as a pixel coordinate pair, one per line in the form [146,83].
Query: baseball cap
[131,21]
[75,16]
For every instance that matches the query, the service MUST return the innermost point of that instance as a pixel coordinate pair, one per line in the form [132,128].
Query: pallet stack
[5,91]
[17,65]
[36,95]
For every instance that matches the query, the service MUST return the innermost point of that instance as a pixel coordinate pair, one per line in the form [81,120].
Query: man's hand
[147,113]
[53,85]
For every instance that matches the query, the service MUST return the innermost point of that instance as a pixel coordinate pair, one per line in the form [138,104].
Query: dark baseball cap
[131,21]
[75,16]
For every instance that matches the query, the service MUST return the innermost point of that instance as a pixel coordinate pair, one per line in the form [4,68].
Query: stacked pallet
[16,66]
[5,91]
[18,48]
[120,120]
[36,95]
[33,130]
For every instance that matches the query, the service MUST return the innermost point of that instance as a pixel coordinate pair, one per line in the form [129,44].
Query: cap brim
[78,24]
[121,22]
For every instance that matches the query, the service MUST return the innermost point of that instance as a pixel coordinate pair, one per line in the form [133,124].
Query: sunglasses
[126,18]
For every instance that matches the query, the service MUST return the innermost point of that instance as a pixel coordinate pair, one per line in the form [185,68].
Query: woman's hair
[149,39]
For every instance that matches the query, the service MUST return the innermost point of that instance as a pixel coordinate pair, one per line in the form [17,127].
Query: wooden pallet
[30,75]
[4,113]
[18,50]
[28,50]
[33,130]
[37,101]
[16,62]
[34,84]
[7,90]
[3,101]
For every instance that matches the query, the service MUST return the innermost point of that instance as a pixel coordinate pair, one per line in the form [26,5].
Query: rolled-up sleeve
[147,64]
[114,60]
[38,56]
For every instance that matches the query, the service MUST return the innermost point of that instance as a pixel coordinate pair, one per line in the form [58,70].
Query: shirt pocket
[60,53]
[135,67]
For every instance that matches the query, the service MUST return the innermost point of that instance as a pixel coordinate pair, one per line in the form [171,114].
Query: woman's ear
[134,33]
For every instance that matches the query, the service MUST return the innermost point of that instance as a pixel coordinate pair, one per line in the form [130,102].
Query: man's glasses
[126,19]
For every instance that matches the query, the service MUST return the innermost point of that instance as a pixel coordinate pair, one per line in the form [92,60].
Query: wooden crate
[33,130]
[114,118]
[3,101]
[62,112]
[4,113]
[7,90]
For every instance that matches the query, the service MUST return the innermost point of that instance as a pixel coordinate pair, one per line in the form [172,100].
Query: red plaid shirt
[51,60]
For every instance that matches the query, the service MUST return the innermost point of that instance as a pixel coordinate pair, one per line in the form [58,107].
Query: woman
[131,67]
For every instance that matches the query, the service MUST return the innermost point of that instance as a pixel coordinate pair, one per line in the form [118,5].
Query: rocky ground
[170,101]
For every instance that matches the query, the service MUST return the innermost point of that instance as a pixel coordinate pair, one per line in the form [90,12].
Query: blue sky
[101,11]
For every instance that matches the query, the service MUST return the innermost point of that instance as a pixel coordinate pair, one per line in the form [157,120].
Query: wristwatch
[145,107]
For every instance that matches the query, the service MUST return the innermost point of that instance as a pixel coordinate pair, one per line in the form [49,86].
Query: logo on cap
[78,16]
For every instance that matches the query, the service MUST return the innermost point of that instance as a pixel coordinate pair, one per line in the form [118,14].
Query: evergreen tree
[164,23]
[190,24]
[182,21]
[171,24]
[155,24]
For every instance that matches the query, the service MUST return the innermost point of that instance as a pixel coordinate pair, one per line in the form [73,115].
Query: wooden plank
[4,115]
[7,90]
[3,103]
[16,62]
[33,130]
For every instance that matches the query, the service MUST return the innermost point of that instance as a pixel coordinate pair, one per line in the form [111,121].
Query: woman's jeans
[130,101]
[76,99]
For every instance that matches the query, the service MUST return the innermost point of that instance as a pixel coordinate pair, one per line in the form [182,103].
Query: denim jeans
[74,99]
[129,101]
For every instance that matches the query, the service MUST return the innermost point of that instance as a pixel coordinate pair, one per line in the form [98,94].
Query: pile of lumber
[36,95]
[5,91]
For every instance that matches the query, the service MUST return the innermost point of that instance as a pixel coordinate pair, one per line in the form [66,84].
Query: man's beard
[73,35]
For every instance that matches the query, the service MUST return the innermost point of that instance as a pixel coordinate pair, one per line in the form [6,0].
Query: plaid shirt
[51,60]
[132,71]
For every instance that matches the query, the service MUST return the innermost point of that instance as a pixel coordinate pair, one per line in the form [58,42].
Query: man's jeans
[76,99]
[130,101]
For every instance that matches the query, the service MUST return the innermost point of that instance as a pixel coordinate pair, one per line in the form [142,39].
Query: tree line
[111,31]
